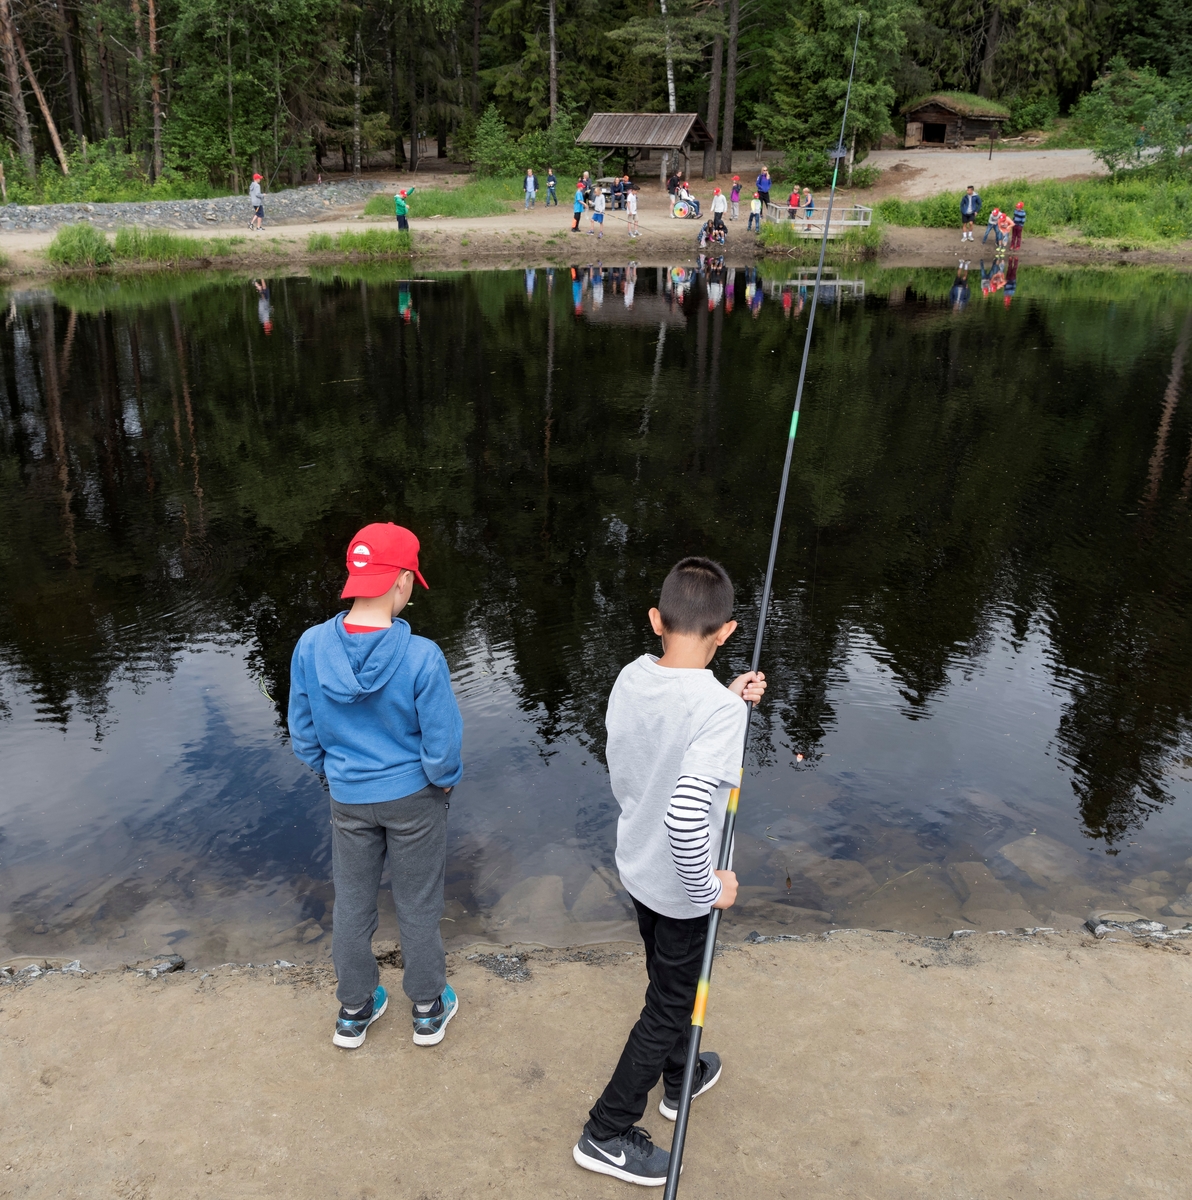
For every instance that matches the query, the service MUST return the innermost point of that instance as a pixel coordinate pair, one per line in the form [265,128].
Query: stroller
[711,234]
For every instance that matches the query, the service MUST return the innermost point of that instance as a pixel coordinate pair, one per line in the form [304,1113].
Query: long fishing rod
[730,817]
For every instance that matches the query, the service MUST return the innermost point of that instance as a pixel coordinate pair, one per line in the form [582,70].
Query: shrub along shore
[1139,209]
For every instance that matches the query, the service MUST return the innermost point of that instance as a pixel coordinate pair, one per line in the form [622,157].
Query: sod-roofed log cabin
[952,119]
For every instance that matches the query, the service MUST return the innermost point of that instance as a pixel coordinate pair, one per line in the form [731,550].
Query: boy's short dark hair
[697,597]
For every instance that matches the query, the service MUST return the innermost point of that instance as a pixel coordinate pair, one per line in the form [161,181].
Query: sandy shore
[542,237]
[856,1064]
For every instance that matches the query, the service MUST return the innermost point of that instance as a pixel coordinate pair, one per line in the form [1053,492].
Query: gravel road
[310,203]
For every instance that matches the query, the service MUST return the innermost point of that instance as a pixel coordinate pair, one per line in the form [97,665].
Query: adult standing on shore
[970,206]
[531,188]
[551,184]
[763,187]
[256,200]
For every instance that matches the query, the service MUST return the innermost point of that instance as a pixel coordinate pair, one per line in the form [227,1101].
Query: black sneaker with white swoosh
[629,1156]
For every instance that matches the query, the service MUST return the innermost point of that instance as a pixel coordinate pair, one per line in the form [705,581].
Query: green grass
[1138,210]
[477,198]
[963,102]
[84,246]
[372,243]
[79,246]
[159,245]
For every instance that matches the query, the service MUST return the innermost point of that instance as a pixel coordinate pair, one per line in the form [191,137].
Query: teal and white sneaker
[430,1027]
[350,1031]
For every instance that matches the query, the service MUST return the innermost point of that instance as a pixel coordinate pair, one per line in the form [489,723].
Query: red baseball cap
[257,176]
[376,556]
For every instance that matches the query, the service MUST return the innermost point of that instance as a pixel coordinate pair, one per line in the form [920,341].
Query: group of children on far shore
[372,710]
[1006,227]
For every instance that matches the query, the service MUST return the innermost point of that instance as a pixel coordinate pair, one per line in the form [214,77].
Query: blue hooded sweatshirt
[374,712]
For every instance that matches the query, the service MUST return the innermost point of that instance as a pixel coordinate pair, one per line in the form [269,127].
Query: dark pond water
[981,644]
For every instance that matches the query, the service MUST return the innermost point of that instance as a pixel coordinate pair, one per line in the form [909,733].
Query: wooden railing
[811,225]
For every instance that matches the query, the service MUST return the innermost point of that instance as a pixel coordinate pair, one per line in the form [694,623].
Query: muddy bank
[857,1064]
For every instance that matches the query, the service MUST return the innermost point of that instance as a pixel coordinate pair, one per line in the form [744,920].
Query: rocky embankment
[311,202]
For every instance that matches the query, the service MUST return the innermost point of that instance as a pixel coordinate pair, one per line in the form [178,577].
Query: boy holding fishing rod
[371,708]
[675,738]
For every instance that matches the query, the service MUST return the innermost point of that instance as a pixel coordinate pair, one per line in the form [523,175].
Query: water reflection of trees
[173,475]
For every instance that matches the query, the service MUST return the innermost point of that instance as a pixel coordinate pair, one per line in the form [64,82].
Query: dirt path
[860,1065]
[915,174]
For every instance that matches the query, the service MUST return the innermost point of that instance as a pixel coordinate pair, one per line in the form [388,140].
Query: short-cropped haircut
[697,597]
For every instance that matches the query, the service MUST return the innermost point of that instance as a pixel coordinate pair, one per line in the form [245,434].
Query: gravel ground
[297,204]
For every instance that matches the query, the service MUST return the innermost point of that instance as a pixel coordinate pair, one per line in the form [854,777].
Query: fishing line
[730,817]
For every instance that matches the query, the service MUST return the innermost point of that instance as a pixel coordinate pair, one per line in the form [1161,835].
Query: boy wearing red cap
[371,708]
[258,205]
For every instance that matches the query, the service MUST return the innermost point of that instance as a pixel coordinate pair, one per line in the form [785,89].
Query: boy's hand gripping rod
[730,816]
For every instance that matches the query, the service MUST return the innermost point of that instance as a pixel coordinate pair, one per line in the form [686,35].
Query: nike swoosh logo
[619,1161]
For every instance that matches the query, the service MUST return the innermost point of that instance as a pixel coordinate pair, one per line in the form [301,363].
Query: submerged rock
[1101,925]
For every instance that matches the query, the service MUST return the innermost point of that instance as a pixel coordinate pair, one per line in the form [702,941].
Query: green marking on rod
[794,423]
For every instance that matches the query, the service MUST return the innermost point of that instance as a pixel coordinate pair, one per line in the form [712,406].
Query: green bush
[79,246]
[1140,208]
[1136,117]
[322,241]
[1039,113]
[495,153]
[813,169]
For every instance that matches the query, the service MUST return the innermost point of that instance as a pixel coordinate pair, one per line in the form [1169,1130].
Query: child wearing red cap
[734,197]
[371,708]
[1019,220]
[257,202]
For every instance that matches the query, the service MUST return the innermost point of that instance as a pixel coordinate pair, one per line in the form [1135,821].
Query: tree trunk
[231,112]
[730,89]
[670,60]
[714,99]
[105,77]
[476,7]
[985,86]
[554,66]
[72,77]
[356,110]
[399,149]
[155,87]
[139,52]
[16,99]
[412,80]
[47,116]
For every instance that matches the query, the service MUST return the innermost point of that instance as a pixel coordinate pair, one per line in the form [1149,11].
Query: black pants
[657,1044]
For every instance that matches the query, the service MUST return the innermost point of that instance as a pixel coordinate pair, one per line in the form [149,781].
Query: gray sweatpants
[412,833]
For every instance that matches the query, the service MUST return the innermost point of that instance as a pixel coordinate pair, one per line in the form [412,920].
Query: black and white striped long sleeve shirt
[690,834]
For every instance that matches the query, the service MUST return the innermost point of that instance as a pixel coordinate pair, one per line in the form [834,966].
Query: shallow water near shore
[980,654]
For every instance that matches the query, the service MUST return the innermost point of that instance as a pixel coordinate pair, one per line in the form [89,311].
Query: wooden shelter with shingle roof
[639,133]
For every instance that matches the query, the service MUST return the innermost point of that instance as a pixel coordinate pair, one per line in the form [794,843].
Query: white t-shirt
[719,203]
[664,722]
[631,204]
[598,203]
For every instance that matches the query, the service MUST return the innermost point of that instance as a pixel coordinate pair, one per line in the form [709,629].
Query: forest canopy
[110,99]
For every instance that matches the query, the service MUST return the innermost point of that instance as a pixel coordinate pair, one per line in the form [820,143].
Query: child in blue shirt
[371,708]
